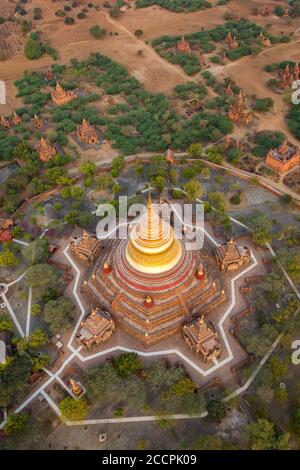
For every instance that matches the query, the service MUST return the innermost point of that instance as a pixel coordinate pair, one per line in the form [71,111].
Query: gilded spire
[152,247]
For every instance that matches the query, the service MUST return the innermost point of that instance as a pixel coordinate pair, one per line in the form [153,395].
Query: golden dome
[152,247]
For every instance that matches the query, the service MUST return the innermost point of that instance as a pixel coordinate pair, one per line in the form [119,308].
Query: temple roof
[285,151]
[59,91]
[86,244]
[228,252]
[95,324]
[202,335]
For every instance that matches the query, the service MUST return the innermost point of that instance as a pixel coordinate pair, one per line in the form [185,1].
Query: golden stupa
[152,247]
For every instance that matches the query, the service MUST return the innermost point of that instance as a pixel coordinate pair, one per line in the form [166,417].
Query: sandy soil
[151,70]
[249,74]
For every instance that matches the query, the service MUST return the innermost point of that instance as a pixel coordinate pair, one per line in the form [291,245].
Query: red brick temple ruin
[183,46]
[228,90]
[283,158]
[288,75]
[4,122]
[87,133]
[61,97]
[16,119]
[239,113]
[38,122]
[264,40]
[45,150]
[231,42]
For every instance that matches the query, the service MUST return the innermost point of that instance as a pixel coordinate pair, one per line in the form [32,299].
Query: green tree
[14,378]
[159,183]
[88,168]
[216,409]
[208,443]
[183,387]
[8,258]
[15,424]
[104,181]
[58,314]
[37,251]
[37,339]
[193,190]
[103,383]
[39,362]
[262,228]
[41,275]
[127,364]
[5,323]
[33,49]
[213,155]
[279,369]
[263,435]
[73,410]
[218,201]
[195,151]
[97,32]
[117,165]
[295,419]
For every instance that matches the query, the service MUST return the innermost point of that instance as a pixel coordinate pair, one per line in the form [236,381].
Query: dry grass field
[148,67]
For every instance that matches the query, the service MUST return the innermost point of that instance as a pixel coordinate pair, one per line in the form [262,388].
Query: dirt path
[249,74]
[144,47]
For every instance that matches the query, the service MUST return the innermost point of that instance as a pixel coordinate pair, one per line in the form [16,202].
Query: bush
[139,33]
[263,105]
[73,410]
[33,49]
[69,20]
[60,13]
[37,14]
[97,32]
[127,364]
[15,424]
[216,409]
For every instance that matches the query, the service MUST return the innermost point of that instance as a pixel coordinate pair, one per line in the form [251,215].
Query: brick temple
[97,328]
[201,336]
[87,133]
[45,150]
[86,248]
[38,122]
[150,283]
[231,42]
[288,75]
[16,119]
[283,158]
[61,97]
[239,113]
[232,257]
[4,122]
[183,46]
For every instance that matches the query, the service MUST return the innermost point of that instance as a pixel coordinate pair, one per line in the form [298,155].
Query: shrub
[127,364]
[33,49]
[97,32]
[69,20]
